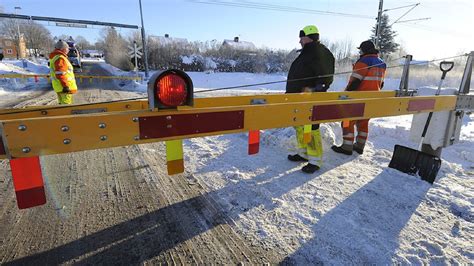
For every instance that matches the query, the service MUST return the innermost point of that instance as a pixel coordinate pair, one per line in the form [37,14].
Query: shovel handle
[446,66]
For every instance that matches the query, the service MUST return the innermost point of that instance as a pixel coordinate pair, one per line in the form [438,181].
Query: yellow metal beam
[26,76]
[48,111]
[286,98]
[55,110]
[62,134]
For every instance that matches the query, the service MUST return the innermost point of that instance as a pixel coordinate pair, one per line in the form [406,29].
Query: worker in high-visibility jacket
[61,73]
[367,75]
[312,71]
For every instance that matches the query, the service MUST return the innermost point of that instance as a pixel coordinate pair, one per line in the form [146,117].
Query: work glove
[66,90]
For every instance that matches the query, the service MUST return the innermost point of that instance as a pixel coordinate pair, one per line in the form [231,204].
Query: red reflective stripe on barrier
[338,111]
[2,147]
[28,182]
[30,198]
[254,148]
[254,141]
[420,105]
[188,124]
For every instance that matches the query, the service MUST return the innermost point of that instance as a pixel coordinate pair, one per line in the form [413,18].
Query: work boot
[341,150]
[358,150]
[296,158]
[310,168]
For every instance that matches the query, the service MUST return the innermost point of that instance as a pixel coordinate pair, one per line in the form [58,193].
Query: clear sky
[448,32]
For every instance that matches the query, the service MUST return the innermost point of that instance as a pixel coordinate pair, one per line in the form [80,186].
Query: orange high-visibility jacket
[61,72]
[370,70]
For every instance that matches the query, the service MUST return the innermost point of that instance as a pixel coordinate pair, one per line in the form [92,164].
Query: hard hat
[310,31]
[367,47]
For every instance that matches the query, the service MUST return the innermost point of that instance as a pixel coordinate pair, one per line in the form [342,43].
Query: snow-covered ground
[22,86]
[354,210]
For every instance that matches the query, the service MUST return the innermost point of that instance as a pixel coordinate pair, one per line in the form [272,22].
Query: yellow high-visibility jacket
[61,72]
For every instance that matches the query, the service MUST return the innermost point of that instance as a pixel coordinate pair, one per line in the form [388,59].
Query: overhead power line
[404,14]
[400,7]
[253,5]
[411,20]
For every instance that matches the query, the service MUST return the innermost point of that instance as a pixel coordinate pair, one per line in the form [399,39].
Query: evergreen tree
[386,42]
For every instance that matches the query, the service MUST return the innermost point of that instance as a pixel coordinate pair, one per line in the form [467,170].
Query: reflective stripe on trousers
[362,132]
[313,151]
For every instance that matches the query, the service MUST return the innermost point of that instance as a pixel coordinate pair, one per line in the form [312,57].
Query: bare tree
[135,36]
[340,49]
[82,43]
[115,49]
[10,28]
[63,37]
[38,39]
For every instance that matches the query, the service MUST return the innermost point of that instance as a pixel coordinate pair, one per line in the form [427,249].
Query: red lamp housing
[170,89]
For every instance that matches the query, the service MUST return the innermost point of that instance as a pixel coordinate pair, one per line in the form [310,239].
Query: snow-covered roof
[239,45]
[164,40]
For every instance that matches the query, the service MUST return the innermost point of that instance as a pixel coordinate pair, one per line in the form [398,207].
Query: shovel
[411,161]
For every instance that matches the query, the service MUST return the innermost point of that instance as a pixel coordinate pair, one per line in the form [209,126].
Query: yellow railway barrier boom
[171,114]
[25,137]
[80,77]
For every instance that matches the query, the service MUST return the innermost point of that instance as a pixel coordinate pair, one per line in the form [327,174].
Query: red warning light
[171,90]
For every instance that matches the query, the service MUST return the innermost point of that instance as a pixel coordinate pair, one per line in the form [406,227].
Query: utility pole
[145,52]
[379,21]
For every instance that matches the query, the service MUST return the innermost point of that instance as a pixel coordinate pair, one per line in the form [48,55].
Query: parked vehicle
[75,57]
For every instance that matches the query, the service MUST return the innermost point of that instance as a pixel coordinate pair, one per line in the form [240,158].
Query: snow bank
[24,66]
[20,85]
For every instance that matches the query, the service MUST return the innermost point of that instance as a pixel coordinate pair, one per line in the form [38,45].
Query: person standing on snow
[367,75]
[61,73]
[312,71]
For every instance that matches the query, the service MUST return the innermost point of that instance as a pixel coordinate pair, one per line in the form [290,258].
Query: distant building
[9,50]
[166,40]
[236,44]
